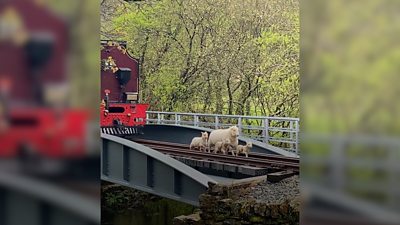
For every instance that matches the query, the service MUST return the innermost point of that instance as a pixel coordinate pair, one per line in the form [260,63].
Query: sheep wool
[231,133]
[222,146]
[200,142]
[245,149]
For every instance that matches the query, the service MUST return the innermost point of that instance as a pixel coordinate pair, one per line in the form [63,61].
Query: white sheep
[231,133]
[222,146]
[244,149]
[200,142]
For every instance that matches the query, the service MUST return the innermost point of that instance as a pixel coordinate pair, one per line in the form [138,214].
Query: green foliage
[83,54]
[115,199]
[350,53]
[231,57]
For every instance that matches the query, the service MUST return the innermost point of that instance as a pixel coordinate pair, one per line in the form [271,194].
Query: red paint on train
[120,110]
[33,54]
[46,132]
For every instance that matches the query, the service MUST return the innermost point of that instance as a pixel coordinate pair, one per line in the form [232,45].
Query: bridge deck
[134,165]
[140,167]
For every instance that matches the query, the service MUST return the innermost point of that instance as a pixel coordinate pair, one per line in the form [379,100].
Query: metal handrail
[267,130]
[227,116]
[336,157]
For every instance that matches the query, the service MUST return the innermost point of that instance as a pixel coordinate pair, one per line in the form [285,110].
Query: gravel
[275,193]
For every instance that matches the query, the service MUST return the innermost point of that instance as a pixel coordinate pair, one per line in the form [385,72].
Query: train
[121,112]
[34,116]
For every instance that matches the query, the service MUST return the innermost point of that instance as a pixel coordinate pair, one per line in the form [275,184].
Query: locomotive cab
[121,110]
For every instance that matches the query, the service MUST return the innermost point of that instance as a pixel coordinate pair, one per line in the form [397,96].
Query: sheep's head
[234,131]
[204,135]
[249,144]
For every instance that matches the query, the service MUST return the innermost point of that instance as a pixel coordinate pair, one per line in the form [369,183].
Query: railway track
[255,159]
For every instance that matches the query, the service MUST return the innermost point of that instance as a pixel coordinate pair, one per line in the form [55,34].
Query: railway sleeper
[280,175]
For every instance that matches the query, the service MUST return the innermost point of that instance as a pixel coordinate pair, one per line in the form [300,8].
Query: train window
[39,49]
[124,75]
[116,109]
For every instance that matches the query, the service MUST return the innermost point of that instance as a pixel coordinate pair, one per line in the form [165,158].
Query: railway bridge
[168,132]
[160,162]
[29,200]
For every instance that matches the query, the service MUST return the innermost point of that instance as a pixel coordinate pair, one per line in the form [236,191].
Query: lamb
[200,142]
[231,133]
[222,146]
[244,149]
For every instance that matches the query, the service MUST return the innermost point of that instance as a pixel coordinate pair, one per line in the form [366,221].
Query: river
[157,212]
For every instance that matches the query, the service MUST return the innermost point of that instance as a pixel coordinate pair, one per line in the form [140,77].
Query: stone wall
[235,204]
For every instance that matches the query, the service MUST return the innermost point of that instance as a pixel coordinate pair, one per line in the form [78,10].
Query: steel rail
[251,154]
[265,125]
[261,160]
[228,158]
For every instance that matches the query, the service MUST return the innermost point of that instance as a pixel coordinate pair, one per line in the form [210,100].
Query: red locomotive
[120,110]
[33,52]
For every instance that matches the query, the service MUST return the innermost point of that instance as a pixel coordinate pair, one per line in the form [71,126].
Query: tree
[215,56]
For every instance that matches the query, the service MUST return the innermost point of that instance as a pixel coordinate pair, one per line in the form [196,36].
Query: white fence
[278,131]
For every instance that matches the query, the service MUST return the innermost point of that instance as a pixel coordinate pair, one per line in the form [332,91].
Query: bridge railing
[278,131]
[363,167]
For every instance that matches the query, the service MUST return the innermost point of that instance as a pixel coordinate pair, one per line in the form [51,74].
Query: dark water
[158,212]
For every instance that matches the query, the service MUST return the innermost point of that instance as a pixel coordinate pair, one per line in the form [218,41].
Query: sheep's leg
[233,148]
